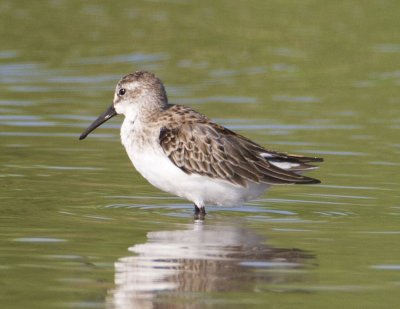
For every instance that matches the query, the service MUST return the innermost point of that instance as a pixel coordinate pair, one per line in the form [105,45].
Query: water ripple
[39,240]
[387,48]
[295,99]
[335,152]
[215,99]
[8,54]
[386,267]
[135,58]
[291,127]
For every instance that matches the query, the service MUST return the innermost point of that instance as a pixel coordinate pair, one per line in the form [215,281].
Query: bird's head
[136,95]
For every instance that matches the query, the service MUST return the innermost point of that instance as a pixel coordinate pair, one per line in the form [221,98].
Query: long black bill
[108,114]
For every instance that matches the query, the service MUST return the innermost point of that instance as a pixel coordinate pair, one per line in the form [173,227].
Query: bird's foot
[199,213]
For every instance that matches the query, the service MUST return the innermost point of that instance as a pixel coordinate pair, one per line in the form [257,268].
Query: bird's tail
[293,163]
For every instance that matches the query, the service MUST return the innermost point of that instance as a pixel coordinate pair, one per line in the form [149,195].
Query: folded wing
[205,148]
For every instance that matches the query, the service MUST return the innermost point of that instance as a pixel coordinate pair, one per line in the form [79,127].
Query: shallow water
[81,229]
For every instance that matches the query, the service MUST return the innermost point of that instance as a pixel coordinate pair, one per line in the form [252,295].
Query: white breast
[153,164]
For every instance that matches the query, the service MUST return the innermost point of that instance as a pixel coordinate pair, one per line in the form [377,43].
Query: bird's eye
[121,91]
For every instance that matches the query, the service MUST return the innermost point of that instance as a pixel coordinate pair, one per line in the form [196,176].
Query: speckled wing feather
[198,146]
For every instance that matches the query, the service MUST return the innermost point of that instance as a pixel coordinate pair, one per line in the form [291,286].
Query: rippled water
[81,229]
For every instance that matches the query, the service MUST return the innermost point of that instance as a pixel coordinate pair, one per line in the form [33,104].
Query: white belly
[152,163]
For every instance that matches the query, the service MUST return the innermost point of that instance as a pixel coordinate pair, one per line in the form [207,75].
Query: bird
[184,153]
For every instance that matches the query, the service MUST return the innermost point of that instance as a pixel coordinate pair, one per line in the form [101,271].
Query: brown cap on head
[139,76]
[147,81]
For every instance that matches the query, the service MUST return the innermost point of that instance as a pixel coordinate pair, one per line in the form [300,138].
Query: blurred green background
[307,77]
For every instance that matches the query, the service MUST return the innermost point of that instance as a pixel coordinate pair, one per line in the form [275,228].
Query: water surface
[81,229]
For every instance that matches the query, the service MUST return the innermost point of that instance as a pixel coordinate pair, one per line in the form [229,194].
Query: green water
[80,228]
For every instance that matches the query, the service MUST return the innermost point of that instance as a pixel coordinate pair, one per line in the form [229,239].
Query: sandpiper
[181,151]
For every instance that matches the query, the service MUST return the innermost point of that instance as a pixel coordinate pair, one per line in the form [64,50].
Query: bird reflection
[200,259]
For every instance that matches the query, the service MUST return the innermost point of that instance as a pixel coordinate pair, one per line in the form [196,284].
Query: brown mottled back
[199,146]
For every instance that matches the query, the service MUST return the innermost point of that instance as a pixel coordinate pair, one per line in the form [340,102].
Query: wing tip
[309,181]
[305,159]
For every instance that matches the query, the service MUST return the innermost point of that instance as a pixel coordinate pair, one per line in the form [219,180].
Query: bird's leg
[199,212]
